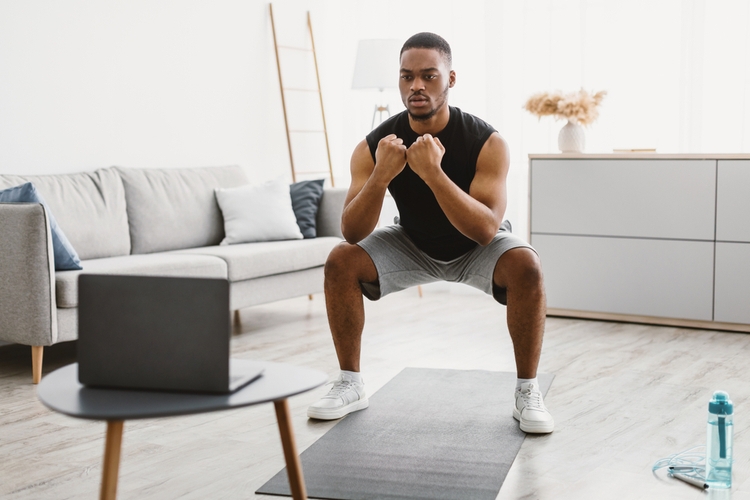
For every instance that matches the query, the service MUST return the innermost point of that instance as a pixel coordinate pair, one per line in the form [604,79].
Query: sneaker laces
[339,388]
[532,399]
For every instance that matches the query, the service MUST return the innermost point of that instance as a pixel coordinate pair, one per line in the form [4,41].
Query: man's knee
[337,261]
[531,268]
[350,262]
[519,267]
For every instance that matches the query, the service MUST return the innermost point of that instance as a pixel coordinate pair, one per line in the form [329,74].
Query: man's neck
[434,125]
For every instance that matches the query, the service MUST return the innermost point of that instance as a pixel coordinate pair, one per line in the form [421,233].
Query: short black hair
[426,40]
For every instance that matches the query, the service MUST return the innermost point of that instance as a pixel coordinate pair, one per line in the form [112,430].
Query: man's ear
[451,79]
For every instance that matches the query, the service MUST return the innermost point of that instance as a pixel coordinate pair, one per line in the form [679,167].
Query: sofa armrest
[28,313]
[329,213]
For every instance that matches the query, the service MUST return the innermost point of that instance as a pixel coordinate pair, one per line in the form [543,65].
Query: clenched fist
[425,155]
[390,157]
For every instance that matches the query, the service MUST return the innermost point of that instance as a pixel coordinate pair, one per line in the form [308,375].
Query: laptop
[157,333]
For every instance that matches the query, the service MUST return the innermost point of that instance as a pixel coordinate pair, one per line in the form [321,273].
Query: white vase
[571,138]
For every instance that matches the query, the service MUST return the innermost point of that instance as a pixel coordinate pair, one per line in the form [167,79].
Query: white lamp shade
[377,64]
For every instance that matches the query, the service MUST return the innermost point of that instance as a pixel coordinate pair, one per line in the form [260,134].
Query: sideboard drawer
[645,277]
[732,283]
[637,198]
[733,201]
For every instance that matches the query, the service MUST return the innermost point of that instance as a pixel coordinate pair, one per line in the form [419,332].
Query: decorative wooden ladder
[291,132]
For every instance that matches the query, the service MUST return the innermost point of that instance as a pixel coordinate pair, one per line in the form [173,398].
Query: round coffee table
[61,391]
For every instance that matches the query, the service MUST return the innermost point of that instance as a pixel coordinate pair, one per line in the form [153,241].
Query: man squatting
[446,171]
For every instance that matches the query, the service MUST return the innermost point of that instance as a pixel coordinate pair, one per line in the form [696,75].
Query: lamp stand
[379,108]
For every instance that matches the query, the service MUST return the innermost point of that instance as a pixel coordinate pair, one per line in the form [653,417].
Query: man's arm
[479,213]
[369,183]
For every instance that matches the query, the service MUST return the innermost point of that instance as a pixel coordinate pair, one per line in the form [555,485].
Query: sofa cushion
[188,266]
[88,206]
[260,212]
[252,260]
[170,209]
[65,255]
[306,197]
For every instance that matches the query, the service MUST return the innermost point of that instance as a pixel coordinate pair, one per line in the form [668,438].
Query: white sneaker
[345,396]
[530,410]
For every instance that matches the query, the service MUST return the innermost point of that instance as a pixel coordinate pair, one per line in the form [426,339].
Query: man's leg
[347,266]
[520,273]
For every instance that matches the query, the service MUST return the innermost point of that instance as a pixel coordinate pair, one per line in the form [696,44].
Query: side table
[61,391]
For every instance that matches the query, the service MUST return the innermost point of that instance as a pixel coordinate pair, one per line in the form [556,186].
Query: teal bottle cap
[721,404]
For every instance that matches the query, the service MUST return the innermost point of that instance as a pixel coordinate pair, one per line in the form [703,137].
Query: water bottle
[719,441]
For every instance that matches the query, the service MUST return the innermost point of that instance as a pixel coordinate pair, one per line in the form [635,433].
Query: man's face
[424,82]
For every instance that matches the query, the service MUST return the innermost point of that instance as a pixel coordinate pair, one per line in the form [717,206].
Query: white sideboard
[649,238]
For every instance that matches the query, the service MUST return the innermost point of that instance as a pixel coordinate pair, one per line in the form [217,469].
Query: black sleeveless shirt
[419,212]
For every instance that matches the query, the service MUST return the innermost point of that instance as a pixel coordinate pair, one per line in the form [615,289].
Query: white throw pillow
[261,212]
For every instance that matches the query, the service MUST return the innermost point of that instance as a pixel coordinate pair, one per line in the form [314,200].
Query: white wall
[86,84]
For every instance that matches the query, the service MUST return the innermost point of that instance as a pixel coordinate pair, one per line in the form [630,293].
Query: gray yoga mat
[428,434]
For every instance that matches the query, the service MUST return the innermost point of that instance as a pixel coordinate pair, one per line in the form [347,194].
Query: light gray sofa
[160,222]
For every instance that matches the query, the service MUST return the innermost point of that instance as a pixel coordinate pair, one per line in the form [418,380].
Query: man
[446,171]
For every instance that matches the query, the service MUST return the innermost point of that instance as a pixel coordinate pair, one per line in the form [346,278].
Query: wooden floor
[624,396]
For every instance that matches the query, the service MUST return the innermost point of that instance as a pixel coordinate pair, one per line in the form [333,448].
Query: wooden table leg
[111,468]
[37,352]
[293,466]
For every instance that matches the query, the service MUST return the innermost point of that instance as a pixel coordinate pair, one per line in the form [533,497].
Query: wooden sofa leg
[36,362]
[310,297]
[236,322]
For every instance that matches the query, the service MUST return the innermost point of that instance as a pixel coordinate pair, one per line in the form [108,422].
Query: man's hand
[390,157]
[424,157]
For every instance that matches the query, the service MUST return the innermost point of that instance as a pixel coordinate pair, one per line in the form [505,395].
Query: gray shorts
[400,264]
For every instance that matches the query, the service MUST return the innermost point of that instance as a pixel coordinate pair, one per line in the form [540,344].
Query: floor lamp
[376,67]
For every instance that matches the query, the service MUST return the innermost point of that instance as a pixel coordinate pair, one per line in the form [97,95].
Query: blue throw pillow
[306,197]
[66,257]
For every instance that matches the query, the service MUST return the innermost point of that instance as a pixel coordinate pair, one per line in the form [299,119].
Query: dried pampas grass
[580,106]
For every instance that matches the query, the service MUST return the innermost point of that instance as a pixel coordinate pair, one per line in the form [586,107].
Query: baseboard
[650,320]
